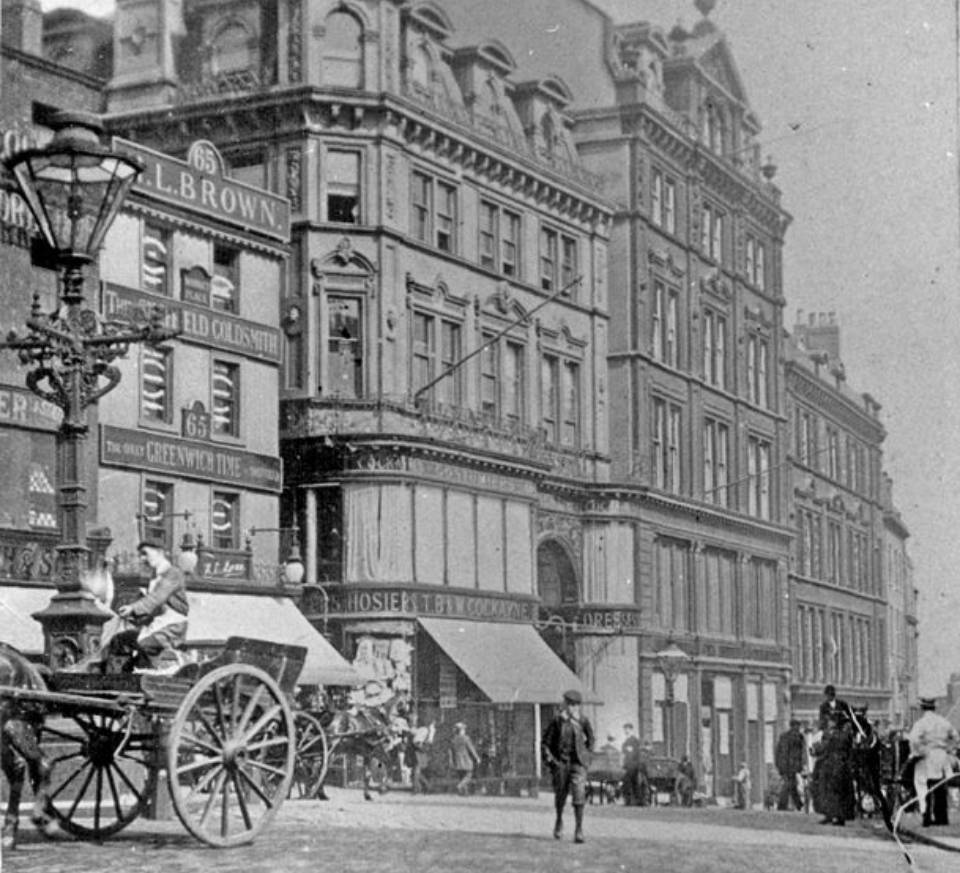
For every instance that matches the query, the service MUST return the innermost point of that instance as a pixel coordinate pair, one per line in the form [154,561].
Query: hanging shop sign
[595,618]
[192,459]
[201,185]
[216,330]
[409,602]
[19,407]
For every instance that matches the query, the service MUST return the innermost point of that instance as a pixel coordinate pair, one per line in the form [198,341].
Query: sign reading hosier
[200,185]
[191,459]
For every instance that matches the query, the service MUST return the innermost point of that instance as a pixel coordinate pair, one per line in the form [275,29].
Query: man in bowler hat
[566,747]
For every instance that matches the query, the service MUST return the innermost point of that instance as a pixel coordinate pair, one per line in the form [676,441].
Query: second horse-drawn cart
[222,735]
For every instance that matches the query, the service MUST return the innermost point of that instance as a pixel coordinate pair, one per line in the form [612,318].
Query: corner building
[445,408]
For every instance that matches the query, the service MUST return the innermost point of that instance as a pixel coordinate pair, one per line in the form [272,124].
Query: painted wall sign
[200,185]
[26,559]
[18,406]
[353,600]
[134,449]
[617,619]
[216,330]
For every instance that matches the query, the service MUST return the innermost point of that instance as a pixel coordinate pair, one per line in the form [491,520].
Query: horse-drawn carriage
[222,734]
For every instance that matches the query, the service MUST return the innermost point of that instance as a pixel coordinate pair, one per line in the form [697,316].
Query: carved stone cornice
[828,400]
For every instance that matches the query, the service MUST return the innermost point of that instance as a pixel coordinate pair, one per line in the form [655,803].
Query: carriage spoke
[81,793]
[250,707]
[96,808]
[269,716]
[267,743]
[126,781]
[212,798]
[219,703]
[63,785]
[260,765]
[202,783]
[225,808]
[242,800]
[200,744]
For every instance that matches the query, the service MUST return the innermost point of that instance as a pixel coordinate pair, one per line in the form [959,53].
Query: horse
[867,755]
[371,732]
[20,753]
[21,724]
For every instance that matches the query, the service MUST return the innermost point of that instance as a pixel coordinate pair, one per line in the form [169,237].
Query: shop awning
[215,617]
[18,627]
[509,663]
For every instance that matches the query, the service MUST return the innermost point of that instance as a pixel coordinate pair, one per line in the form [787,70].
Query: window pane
[343,187]
[488,234]
[423,350]
[569,266]
[511,244]
[549,378]
[421,207]
[446,218]
[155,387]
[513,382]
[450,387]
[226,398]
[157,249]
[156,518]
[224,287]
[571,403]
[344,347]
[548,259]
[225,521]
[489,378]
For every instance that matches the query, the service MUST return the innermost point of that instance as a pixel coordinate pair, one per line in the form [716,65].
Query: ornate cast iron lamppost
[672,662]
[74,187]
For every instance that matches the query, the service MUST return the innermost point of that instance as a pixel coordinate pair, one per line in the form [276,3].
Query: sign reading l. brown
[199,184]
[134,449]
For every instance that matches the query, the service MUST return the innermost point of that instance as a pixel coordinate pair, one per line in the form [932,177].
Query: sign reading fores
[199,184]
[120,447]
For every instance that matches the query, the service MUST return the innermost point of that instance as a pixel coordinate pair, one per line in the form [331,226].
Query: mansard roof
[552,88]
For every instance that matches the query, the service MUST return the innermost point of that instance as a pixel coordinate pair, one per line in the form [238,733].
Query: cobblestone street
[437,834]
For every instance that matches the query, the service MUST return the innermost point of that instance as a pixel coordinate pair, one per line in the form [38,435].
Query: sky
[858,100]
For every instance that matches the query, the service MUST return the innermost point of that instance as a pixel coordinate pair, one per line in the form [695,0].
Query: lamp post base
[72,625]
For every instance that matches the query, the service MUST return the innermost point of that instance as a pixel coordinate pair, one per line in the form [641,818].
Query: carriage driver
[159,618]
[161,612]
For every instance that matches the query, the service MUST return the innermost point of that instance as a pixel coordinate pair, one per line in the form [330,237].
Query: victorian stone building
[853,605]
[536,396]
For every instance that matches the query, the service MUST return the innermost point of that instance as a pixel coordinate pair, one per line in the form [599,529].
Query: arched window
[556,578]
[232,50]
[343,51]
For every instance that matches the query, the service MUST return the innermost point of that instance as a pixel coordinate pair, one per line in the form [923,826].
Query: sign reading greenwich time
[198,325]
[192,459]
[201,185]
[368,600]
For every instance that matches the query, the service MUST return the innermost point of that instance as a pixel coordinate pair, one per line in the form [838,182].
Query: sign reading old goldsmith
[200,185]
[215,330]
[412,602]
[176,456]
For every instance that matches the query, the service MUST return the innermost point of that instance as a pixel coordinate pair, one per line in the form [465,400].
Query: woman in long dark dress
[834,793]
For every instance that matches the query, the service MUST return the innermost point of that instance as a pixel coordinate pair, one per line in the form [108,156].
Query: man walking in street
[791,759]
[567,744]
[463,757]
[932,740]
[630,750]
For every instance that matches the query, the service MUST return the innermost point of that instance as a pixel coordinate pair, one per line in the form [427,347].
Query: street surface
[450,834]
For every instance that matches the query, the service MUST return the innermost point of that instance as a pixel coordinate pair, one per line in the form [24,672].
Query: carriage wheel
[230,755]
[101,773]
[313,756]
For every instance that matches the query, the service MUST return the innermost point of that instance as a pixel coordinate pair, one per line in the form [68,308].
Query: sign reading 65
[196,422]
[204,158]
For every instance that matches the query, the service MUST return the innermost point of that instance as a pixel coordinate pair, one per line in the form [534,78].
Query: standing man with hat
[566,747]
[932,740]
[463,756]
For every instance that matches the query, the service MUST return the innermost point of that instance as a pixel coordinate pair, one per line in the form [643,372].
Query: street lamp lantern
[74,187]
[672,661]
[293,567]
